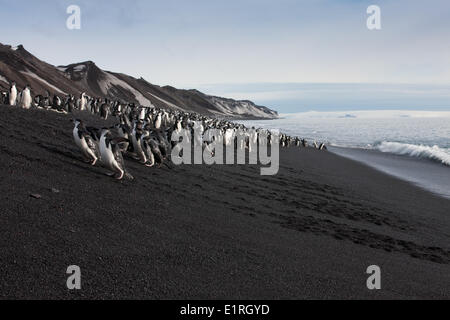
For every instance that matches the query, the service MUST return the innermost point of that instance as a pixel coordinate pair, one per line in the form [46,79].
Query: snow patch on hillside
[110,80]
[80,68]
[231,107]
[2,78]
[35,76]
[165,101]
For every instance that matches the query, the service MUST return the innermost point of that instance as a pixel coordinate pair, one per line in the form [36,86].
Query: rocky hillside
[17,64]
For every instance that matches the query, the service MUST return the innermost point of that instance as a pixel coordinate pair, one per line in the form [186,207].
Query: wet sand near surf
[209,232]
[431,175]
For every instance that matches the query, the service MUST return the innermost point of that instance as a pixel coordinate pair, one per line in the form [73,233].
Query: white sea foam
[420,151]
[423,134]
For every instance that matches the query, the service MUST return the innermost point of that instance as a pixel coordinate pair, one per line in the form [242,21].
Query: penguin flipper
[93,146]
[94,133]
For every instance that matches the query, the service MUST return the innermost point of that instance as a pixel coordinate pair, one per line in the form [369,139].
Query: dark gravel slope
[208,232]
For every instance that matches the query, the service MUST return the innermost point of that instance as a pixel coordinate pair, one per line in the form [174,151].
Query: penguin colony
[142,133]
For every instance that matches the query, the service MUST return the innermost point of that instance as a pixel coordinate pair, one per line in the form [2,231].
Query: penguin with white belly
[83,101]
[111,153]
[25,98]
[137,135]
[13,94]
[87,141]
[5,98]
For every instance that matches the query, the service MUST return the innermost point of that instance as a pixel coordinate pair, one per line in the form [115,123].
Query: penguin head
[77,122]
[105,132]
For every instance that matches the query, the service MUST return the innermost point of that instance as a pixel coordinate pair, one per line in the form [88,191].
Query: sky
[291,55]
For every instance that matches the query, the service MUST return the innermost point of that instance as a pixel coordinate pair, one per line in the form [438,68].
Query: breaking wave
[420,151]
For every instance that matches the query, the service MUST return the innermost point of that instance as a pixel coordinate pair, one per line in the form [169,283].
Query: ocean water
[412,145]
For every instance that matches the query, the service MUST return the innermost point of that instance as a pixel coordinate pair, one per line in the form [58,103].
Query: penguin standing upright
[5,98]
[104,110]
[83,101]
[13,94]
[56,103]
[25,98]
[119,109]
[137,134]
[70,103]
[142,114]
[158,121]
[228,137]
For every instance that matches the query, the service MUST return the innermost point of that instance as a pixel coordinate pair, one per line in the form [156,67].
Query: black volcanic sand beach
[200,232]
